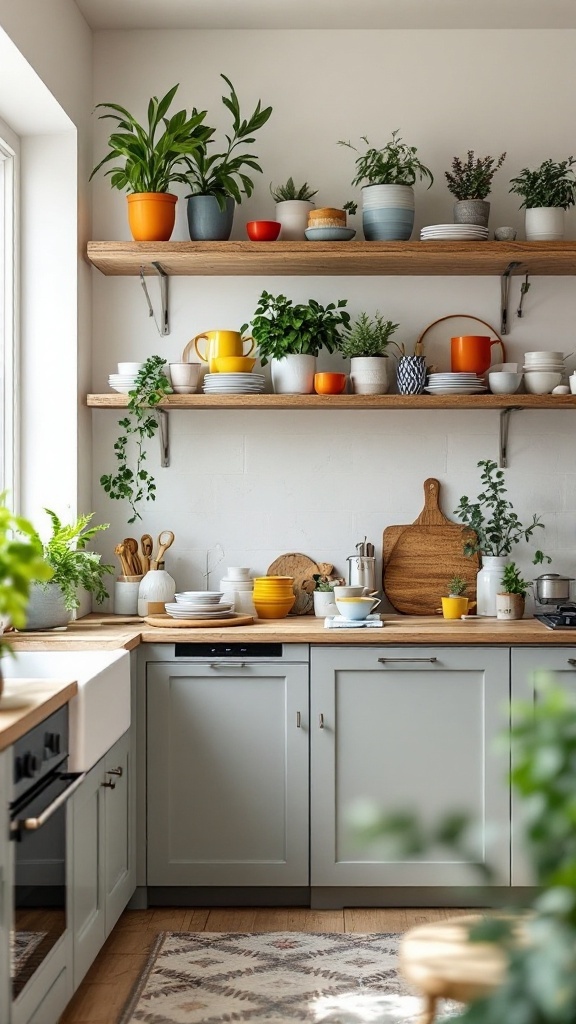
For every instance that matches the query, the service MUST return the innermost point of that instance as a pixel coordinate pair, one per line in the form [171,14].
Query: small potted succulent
[547,192]
[456,604]
[387,177]
[511,599]
[470,182]
[323,595]
[293,204]
[365,343]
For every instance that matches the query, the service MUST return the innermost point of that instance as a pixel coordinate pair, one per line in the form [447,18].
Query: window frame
[9,306]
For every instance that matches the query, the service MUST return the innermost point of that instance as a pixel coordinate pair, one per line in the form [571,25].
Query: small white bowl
[540,383]
[504,382]
[132,368]
[237,572]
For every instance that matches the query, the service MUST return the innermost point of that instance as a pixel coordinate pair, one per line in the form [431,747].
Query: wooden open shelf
[265,401]
[332,258]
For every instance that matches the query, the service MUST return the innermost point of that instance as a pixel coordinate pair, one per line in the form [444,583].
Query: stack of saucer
[455,384]
[233,383]
[125,379]
[454,233]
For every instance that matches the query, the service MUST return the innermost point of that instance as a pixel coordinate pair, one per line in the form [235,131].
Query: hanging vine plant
[137,484]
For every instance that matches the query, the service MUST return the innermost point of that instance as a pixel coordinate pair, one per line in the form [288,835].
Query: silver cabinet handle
[572,661]
[116,771]
[108,785]
[31,824]
[320,721]
[384,661]
[227,664]
[298,720]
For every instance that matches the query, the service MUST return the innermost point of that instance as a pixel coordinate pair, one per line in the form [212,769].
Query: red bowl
[263,230]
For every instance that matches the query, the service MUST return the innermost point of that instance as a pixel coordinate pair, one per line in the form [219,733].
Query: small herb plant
[394,164]
[551,184]
[323,584]
[72,566]
[222,174]
[281,328]
[350,207]
[457,587]
[141,423]
[150,162]
[289,191]
[22,563]
[472,178]
[490,524]
[512,582]
[368,336]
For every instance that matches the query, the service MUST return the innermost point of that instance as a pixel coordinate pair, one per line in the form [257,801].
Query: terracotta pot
[151,216]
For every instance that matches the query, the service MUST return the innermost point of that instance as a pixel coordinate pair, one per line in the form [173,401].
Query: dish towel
[339,622]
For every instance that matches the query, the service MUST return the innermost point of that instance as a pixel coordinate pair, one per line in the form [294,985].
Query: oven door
[38,828]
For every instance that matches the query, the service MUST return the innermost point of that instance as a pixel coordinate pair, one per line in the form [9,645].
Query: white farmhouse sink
[100,713]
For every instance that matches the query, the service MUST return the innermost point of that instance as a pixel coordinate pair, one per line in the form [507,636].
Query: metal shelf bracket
[504,428]
[164,424]
[164,326]
[505,295]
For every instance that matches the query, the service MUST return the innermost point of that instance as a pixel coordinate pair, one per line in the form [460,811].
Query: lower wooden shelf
[265,401]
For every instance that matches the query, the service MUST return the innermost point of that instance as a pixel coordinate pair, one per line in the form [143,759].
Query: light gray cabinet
[103,866]
[5,885]
[227,774]
[410,729]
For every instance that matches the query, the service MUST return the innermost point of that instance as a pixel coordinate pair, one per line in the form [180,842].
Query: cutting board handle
[431,515]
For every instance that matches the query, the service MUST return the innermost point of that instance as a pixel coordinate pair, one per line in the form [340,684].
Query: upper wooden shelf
[265,401]
[332,258]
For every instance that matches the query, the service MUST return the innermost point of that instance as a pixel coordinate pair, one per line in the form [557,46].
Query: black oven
[38,825]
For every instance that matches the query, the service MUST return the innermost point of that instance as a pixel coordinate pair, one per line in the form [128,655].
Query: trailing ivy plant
[472,178]
[141,423]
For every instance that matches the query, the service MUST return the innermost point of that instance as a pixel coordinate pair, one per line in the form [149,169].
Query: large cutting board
[418,560]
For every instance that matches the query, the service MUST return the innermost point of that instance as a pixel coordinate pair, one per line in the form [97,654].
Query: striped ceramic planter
[387,212]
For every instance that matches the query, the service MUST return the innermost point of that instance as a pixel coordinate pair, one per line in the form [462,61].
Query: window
[9,155]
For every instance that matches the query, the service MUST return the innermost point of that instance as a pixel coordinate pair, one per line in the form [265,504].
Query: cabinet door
[227,767]
[6,875]
[88,920]
[119,805]
[409,730]
[526,664]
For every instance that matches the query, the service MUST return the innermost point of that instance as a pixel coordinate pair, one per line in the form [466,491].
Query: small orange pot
[151,216]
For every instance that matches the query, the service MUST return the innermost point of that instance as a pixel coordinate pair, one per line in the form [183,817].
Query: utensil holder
[362,571]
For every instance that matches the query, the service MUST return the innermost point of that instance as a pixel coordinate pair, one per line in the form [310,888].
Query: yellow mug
[220,343]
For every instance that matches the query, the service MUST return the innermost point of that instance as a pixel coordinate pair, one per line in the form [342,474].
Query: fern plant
[368,336]
[289,191]
[73,566]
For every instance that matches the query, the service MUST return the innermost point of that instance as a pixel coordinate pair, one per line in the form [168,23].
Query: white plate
[455,391]
[200,615]
[200,606]
[234,376]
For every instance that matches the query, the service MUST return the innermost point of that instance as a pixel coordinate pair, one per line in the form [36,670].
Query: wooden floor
[103,992]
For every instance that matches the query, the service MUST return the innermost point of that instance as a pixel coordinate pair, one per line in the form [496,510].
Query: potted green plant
[387,177]
[365,343]
[323,594]
[546,193]
[290,337]
[456,603]
[73,567]
[148,160]
[219,180]
[293,204]
[492,528]
[511,598]
[139,425]
[470,182]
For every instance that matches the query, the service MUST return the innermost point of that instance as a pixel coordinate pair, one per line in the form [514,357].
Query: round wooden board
[301,568]
[167,622]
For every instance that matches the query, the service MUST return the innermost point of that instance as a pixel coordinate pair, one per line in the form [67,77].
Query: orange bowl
[266,609]
[329,383]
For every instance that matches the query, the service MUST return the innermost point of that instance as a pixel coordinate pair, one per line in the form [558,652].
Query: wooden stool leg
[429,1012]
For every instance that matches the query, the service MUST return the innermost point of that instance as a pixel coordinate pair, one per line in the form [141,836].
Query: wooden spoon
[131,546]
[163,546]
[146,545]
[120,550]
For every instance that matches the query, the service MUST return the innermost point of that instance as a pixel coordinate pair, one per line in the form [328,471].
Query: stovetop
[564,617]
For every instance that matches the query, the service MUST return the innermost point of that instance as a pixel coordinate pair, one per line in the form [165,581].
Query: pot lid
[553,576]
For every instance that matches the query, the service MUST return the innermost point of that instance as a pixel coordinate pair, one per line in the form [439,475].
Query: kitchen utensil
[552,588]
[165,540]
[126,565]
[146,546]
[131,555]
[167,622]
[302,569]
[419,559]
[362,570]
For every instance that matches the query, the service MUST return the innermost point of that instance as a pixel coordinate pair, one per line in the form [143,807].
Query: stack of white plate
[200,605]
[544,362]
[122,382]
[455,384]
[454,233]
[233,383]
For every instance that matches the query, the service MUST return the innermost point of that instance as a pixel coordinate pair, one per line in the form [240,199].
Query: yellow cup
[454,607]
[211,344]
[234,364]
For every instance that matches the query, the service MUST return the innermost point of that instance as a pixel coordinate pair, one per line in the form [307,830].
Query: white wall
[264,483]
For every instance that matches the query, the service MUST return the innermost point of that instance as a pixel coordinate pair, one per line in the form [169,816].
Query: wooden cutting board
[167,622]
[418,560]
[301,568]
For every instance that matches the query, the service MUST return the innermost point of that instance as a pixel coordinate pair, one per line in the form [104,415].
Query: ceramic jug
[155,590]
[472,353]
[211,344]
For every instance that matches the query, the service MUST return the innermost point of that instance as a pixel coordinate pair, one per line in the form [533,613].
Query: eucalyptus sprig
[472,178]
[551,184]
[141,423]
[394,164]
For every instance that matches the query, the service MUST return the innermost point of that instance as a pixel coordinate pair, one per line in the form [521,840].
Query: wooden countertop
[26,702]
[97,632]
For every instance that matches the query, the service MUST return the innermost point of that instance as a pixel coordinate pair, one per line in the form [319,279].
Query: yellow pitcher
[219,343]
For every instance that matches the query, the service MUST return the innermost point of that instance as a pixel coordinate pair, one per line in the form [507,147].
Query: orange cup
[472,353]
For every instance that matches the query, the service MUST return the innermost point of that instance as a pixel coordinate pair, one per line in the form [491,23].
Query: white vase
[155,590]
[292,214]
[369,375]
[324,603]
[293,375]
[544,224]
[489,583]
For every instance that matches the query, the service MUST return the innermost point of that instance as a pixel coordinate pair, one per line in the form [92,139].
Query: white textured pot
[544,224]
[46,608]
[293,375]
[292,214]
[369,375]
[489,583]
[324,603]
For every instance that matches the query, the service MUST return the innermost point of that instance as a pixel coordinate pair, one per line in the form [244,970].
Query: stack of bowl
[543,371]
[125,380]
[274,596]
[238,587]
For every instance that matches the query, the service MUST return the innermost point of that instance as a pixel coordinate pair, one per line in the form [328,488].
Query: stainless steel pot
[552,588]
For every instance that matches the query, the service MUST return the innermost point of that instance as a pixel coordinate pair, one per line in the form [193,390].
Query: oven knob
[30,766]
[52,743]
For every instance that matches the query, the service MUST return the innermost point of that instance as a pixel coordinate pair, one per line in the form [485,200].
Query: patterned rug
[272,978]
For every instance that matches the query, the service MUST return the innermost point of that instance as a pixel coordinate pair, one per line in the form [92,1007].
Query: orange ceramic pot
[151,216]
[329,383]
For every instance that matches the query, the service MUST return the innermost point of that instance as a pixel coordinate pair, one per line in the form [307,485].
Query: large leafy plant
[472,178]
[551,184]
[491,525]
[221,174]
[395,164]
[149,157]
[281,328]
[21,564]
[367,336]
[74,567]
[140,424]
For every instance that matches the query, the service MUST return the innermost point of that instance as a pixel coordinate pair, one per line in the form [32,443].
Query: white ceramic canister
[489,583]
[126,597]
[155,590]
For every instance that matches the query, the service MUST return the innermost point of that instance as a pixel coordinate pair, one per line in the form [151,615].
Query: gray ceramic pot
[46,607]
[472,211]
[207,222]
